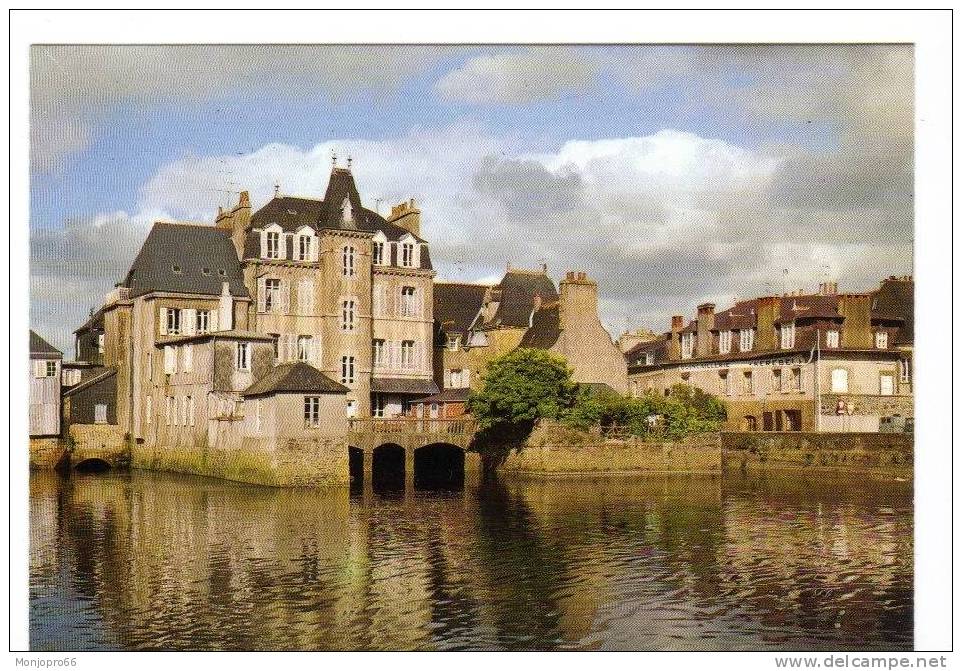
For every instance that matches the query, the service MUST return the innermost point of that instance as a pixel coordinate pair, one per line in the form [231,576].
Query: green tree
[518,389]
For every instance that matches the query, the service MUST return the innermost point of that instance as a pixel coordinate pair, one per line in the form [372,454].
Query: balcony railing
[409,425]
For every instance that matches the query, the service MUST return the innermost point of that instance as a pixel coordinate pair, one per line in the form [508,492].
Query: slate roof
[231,335]
[545,328]
[91,381]
[41,349]
[820,306]
[398,385]
[456,305]
[291,213]
[292,378]
[516,296]
[204,255]
[658,347]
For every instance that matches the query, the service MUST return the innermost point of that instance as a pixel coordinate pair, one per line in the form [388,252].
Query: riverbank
[554,450]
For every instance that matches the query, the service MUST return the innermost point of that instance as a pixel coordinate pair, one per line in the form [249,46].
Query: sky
[672,175]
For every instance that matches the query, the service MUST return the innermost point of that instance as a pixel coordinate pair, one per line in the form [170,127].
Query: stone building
[798,362]
[45,362]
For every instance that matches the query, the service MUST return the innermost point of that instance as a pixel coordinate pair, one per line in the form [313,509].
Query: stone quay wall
[321,461]
[47,453]
[556,450]
[888,454]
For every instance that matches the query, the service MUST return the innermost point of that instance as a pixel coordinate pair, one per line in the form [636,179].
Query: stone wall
[98,441]
[47,452]
[556,450]
[889,454]
[869,404]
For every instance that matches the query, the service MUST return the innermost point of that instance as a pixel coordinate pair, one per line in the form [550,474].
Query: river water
[141,560]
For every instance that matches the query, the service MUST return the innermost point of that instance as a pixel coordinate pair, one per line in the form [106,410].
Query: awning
[396,385]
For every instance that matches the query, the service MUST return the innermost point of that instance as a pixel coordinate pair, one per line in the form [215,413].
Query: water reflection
[159,561]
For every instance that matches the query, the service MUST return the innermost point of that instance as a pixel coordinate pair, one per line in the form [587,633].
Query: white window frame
[839,381]
[687,345]
[378,405]
[305,247]
[778,380]
[724,342]
[100,413]
[881,340]
[187,355]
[378,351]
[312,412]
[748,383]
[905,370]
[407,254]
[787,333]
[305,348]
[272,294]
[746,340]
[379,248]
[172,321]
[408,359]
[454,342]
[409,301]
[242,358]
[202,321]
[272,244]
[170,360]
[100,343]
[832,338]
[881,385]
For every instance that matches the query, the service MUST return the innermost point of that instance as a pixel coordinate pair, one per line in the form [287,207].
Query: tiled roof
[545,328]
[399,385]
[516,294]
[186,258]
[39,346]
[293,378]
[895,300]
[456,305]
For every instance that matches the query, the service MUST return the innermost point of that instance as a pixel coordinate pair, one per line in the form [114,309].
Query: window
[203,321]
[188,411]
[348,310]
[242,360]
[788,335]
[272,295]
[746,340]
[188,357]
[351,409]
[408,302]
[100,343]
[886,384]
[407,354]
[304,347]
[347,261]
[687,345]
[724,342]
[312,412]
[748,386]
[839,381]
[378,352]
[50,369]
[275,337]
[776,379]
[407,254]
[796,379]
[454,342]
[304,248]
[172,322]
[170,360]
[724,383]
[273,245]
[881,340]
[456,379]
[649,358]
[377,405]
[377,253]
[305,297]
[905,371]
[751,424]
[831,338]
[149,409]
[347,369]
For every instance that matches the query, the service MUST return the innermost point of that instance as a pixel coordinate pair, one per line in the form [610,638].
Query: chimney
[768,307]
[577,299]
[674,344]
[236,221]
[225,316]
[856,310]
[407,216]
[706,323]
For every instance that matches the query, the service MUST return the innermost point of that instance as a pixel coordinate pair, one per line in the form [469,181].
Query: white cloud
[661,221]
[530,75]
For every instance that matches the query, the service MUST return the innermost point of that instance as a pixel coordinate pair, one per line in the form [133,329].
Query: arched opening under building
[355,466]
[91,466]
[439,466]
[387,467]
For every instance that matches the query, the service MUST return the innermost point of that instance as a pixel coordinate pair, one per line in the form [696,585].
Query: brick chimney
[856,309]
[706,322]
[577,299]
[236,221]
[407,216]
[768,307]
[674,345]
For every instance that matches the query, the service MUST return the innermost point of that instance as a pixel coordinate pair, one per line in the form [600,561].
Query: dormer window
[687,345]
[378,246]
[724,342]
[408,252]
[273,241]
[746,340]
[831,338]
[881,340]
[454,342]
[304,247]
[788,336]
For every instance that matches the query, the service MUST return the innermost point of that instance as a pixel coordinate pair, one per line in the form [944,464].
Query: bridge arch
[387,465]
[439,466]
[92,465]
[355,464]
